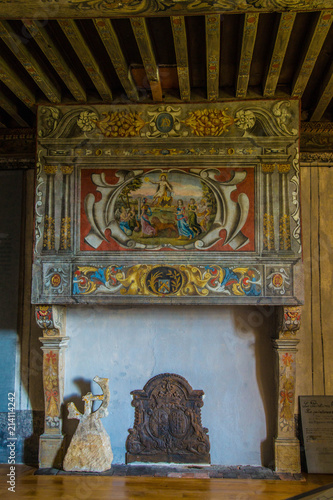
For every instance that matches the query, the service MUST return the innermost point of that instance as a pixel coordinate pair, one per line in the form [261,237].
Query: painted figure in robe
[124,218]
[203,214]
[181,218]
[147,228]
[192,217]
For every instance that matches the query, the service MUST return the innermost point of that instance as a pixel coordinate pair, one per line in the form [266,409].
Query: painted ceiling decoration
[150,51]
[93,8]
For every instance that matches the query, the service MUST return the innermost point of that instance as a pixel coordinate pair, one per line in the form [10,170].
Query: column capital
[283,168]
[50,169]
[67,169]
[268,168]
[286,344]
[54,342]
[289,321]
[52,319]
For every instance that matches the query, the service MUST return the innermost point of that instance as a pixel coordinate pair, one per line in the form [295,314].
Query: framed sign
[317,427]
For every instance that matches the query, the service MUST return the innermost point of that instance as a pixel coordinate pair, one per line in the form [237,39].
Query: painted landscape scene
[168,207]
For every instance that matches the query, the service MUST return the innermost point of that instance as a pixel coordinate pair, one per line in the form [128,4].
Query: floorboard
[33,487]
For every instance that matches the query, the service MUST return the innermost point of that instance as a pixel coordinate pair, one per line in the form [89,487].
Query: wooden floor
[30,487]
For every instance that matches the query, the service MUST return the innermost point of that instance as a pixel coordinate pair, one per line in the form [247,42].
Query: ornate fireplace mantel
[165,204]
[170,203]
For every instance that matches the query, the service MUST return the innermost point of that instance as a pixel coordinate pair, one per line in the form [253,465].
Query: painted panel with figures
[169,208]
[189,203]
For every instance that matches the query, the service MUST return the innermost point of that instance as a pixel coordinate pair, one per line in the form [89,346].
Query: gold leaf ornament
[121,124]
[134,281]
[209,122]
[195,282]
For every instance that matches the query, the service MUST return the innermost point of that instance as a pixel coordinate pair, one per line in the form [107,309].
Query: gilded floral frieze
[167,280]
[166,121]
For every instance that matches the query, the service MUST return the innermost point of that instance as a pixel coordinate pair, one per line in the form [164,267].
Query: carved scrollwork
[296,214]
[279,121]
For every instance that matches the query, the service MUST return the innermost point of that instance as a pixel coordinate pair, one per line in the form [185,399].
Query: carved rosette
[278,281]
[56,280]
[167,426]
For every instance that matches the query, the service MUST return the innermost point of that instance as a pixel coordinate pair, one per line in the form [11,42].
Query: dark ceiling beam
[143,40]
[11,79]
[325,96]
[40,9]
[112,46]
[30,64]
[180,43]
[316,39]
[12,110]
[285,27]
[53,54]
[213,23]
[248,41]
[86,57]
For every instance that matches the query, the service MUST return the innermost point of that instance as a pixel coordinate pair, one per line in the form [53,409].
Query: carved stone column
[284,222]
[52,320]
[49,219]
[287,448]
[268,222]
[66,223]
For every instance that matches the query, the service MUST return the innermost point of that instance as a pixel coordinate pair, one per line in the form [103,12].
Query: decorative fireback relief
[167,426]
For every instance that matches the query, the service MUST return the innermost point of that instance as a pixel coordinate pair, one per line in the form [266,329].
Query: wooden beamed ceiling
[206,57]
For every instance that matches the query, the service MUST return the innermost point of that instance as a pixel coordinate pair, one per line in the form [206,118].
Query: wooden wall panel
[315,373]
[326,273]
[304,357]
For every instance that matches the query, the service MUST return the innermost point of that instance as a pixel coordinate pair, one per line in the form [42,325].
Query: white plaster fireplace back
[226,351]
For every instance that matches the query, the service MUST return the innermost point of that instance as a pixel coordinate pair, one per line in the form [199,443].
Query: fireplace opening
[225,351]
